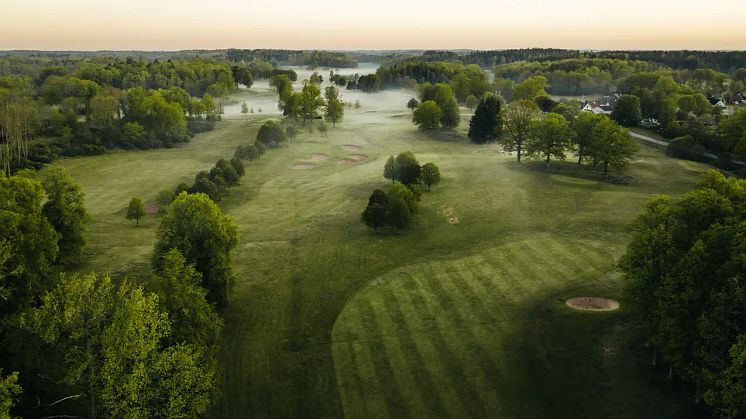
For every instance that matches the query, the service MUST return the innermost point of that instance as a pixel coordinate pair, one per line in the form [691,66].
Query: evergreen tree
[486,124]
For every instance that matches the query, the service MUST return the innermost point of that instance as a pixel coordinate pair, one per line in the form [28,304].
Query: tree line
[685,285]
[84,107]
[312,59]
[90,345]
[574,77]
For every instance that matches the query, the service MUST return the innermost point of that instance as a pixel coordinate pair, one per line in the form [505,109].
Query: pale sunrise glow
[381,24]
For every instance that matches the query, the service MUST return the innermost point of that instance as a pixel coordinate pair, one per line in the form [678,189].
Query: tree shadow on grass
[572,364]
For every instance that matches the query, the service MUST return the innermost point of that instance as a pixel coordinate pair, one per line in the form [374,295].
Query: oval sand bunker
[354,159]
[318,157]
[593,303]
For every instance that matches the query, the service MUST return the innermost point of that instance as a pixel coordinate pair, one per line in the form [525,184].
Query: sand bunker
[303,166]
[354,159]
[318,157]
[593,303]
[450,216]
[351,147]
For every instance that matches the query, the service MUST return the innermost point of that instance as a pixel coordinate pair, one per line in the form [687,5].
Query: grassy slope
[436,320]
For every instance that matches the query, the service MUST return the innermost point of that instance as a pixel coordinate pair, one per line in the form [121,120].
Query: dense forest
[54,106]
[293,57]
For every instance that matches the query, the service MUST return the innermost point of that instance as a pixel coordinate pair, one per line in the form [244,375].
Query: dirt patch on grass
[354,159]
[449,214]
[351,147]
[151,208]
[303,166]
[318,157]
[593,303]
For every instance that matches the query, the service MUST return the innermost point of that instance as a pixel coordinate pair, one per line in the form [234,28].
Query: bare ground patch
[593,303]
[354,159]
[351,147]
[318,157]
[449,214]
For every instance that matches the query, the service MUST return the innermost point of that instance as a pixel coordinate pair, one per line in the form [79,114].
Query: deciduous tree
[65,210]
[519,117]
[551,137]
[430,174]
[627,110]
[611,145]
[335,109]
[195,226]
[271,134]
[135,210]
[427,115]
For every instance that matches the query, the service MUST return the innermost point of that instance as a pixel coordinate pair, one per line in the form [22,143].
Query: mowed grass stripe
[385,359]
[417,365]
[571,261]
[348,380]
[481,337]
[401,365]
[443,324]
[456,323]
[427,349]
[454,377]
[367,370]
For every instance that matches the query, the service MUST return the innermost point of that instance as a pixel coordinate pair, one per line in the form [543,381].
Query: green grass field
[442,320]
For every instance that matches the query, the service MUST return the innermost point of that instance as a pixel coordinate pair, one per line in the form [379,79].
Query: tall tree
[135,210]
[28,243]
[627,110]
[310,102]
[195,226]
[111,342]
[519,117]
[530,88]
[335,108]
[486,124]
[389,169]
[193,319]
[427,115]
[551,137]
[65,210]
[271,134]
[407,168]
[686,288]
[376,212]
[583,126]
[430,174]
[451,117]
[611,145]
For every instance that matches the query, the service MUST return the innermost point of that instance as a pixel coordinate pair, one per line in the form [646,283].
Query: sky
[378,24]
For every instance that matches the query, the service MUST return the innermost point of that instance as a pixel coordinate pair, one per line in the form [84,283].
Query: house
[597,108]
[737,98]
[717,101]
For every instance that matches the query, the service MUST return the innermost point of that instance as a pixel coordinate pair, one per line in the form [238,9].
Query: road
[664,143]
